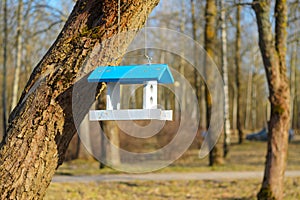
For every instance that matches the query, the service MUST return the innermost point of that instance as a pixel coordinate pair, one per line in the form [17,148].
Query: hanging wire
[149,58]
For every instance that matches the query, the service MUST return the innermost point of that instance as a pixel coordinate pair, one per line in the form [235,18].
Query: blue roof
[132,74]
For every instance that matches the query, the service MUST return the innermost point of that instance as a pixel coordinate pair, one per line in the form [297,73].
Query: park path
[165,176]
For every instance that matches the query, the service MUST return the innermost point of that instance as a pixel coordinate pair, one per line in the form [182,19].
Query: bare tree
[238,63]
[215,156]
[84,132]
[248,100]
[18,54]
[225,78]
[182,87]
[293,63]
[273,50]
[254,96]
[194,33]
[42,124]
[4,94]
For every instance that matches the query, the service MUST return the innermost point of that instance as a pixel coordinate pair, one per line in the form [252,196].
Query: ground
[247,157]
[209,189]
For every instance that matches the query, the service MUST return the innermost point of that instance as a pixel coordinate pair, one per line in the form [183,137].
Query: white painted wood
[113,96]
[150,95]
[131,114]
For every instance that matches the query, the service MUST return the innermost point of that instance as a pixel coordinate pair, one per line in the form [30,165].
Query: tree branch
[48,28]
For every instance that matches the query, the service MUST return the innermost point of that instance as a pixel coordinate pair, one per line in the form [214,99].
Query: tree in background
[4,93]
[273,50]
[28,24]
[225,78]
[238,63]
[215,156]
[18,54]
[41,126]
[293,81]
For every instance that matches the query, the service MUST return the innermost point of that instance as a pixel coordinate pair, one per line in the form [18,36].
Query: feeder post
[150,95]
[113,96]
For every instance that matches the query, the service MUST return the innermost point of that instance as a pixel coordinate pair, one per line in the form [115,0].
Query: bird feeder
[150,75]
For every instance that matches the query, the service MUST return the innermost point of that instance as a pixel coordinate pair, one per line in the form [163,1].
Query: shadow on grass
[232,198]
[129,184]
[63,174]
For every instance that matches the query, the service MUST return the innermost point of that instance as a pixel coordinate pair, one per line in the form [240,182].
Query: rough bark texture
[274,52]
[41,126]
[215,156]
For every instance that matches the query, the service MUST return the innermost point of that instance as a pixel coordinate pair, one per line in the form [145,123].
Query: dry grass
[247,157]
[153,190]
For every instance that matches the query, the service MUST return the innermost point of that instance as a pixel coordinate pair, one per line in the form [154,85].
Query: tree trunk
[194,33]
[225,78]
[234,108]
[4,93]
[203,104]
[18,55]
[248,100]
[238,79]
[101,105]
[254,98]
[103,152]
[84,134]
[274,55]
[112,130]
[42,124]
[215,155]
[293,82]
[182,88]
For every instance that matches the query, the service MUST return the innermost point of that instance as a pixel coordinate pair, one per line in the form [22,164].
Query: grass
[247,157]
[153,190]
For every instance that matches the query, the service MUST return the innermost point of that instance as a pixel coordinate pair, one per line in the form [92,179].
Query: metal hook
[149,59]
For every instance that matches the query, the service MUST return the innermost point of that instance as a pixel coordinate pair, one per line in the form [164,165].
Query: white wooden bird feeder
[150,75]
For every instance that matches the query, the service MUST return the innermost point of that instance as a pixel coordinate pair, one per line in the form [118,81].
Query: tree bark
[194,33]
[84,132]
[254,97]
[238,63]
[293,64]
[42,124]
[111,128]
[225,78]
[4,93]
[248,100]
[215,155]
[18,55]
[101,105]
[181,88]
[273,51]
